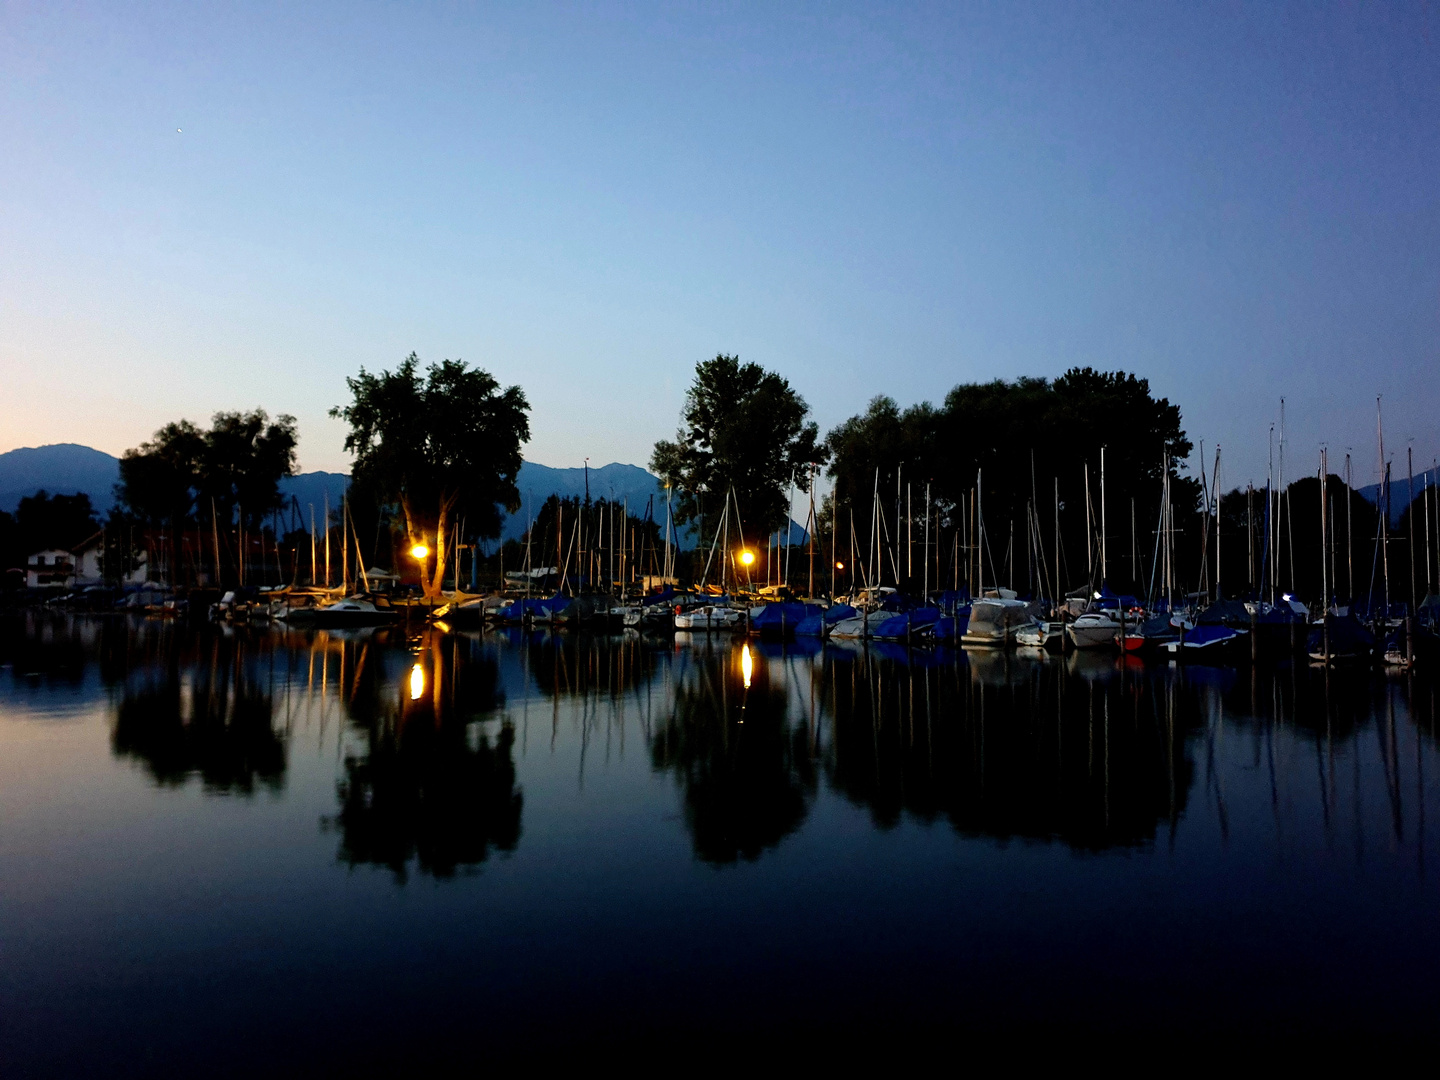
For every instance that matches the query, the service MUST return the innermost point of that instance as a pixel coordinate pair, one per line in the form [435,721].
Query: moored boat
[709,617]
[348,611]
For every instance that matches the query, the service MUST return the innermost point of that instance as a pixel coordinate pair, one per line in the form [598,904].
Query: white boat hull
[1093,634]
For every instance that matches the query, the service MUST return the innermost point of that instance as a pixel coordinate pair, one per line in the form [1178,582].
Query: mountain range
[69,468]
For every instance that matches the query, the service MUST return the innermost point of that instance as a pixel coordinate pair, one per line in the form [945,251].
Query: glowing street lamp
[747,558]
[420,552]
[839,566]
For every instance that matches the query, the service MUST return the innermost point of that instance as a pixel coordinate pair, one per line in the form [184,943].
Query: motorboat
[466,615]
[1047,635]
[349,611]
[1209,640]
[709,617]
[1094,630]
[994,621]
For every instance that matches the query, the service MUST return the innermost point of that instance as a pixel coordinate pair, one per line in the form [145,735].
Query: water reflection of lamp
[747,665]
[417,682]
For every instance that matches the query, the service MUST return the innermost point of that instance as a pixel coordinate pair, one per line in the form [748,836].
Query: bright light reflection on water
[388,850]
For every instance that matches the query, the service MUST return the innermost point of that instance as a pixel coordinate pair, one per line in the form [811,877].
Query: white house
[89,560]
[49,569]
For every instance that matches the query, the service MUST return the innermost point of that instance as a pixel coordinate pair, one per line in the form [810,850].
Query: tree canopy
[437,446]
[238,463]
[44,521]
[1023,438]
[743,429]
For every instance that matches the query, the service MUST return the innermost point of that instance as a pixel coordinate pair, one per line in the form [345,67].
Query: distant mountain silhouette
[61,469]
[310,489]
[68,468]
[1399,495]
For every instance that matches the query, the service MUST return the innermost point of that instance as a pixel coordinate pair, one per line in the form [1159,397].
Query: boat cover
[1347,637]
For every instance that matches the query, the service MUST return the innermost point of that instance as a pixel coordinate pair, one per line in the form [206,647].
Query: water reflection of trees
[578,665]
[199,704]
[1006,748]
[745,769]
[436,781]
[49,646]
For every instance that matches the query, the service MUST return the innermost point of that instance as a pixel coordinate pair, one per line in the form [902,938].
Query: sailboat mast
[927,541]
[1104,564]
[345,544]
[1216,487]
[980,532]
[909,533]
[1410,509]
[1349,534]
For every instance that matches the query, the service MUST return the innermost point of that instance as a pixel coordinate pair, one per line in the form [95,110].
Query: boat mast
[926,589]
[1410,530]
[345,547]
[980,532]
[1104,547]
[1215,486]
[1349,534]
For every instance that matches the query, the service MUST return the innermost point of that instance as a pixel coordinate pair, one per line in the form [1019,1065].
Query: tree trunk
[438,544]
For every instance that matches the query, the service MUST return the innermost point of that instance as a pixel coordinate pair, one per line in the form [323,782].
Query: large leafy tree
[743,429]
[54,521]
[437,445]
[237,463]
[877,447]
[246,454]
[159,479]
[1030,439]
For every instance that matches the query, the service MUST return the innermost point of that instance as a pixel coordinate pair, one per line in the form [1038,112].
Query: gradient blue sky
[1238,202]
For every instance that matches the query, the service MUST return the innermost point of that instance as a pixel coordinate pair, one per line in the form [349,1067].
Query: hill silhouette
[69,468]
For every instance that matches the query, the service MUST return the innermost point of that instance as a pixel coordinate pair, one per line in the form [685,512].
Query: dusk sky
[205,208]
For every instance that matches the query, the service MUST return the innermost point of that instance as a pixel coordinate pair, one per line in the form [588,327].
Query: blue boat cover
[813,624]
[951,628]
[1204,636]
[785,615]
[1347,636]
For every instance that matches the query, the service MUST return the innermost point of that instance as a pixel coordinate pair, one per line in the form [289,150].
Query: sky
[209,207]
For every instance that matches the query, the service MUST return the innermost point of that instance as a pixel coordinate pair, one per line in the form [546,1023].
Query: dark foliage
[743,429]
[174,479]
[45,521]
[437,448]
[1014,445]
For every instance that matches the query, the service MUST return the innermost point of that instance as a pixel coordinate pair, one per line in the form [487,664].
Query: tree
[46,521]
[245,456]
[159,478]
[1030,439]
[743,429]
[438,446]
[238,463]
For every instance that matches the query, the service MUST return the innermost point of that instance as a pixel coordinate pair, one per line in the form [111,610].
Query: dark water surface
[223,851]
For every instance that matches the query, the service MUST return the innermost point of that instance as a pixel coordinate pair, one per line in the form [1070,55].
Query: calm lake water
[228,850]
